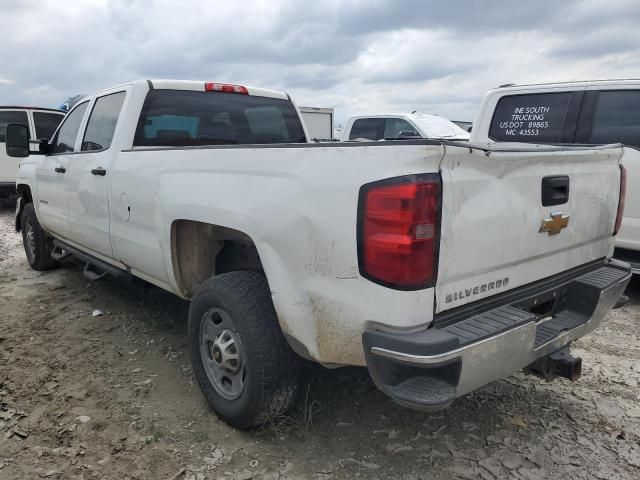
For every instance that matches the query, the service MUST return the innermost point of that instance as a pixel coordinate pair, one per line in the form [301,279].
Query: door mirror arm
[44,147]
[41,147]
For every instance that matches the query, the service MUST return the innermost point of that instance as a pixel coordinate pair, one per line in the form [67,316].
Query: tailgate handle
[555,190]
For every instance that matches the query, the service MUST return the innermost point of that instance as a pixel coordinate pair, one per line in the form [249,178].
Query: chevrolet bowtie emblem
[556,222]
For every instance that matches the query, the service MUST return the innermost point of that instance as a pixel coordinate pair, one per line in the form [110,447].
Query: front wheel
[37,244]
[241,360]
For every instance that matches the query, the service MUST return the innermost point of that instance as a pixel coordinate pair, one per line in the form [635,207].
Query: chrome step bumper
[429,369]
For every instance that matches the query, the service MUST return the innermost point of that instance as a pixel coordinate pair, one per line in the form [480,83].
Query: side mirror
[17,141]
[408,133]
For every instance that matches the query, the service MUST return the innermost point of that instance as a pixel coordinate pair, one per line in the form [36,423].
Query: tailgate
[492,213]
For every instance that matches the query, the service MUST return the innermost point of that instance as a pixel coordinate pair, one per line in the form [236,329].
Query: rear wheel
[241,360]
[37,244]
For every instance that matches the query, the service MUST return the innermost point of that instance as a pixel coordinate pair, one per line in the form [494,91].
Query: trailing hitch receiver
[557,364]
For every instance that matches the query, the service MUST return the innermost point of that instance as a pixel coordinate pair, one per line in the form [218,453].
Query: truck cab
[589,112]
[42,122]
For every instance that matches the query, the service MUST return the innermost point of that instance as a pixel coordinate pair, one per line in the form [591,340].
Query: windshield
[433,126]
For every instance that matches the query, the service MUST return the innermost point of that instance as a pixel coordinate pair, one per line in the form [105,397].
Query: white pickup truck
[42,122]
[588,112]
[440,266]
[400,126]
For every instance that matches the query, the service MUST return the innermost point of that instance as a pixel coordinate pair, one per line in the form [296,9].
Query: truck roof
[577,84]
[199,86]
[16,107]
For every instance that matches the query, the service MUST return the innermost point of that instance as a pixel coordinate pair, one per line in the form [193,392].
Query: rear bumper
[632,257]
[430,369]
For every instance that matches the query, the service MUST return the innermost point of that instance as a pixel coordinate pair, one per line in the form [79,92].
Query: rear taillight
[226,88]
[399,231]
[623,193]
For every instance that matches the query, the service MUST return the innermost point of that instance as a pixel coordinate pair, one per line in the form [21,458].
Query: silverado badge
[556,222]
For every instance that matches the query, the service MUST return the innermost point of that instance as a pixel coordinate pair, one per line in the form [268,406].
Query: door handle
[60,170]
[99,171]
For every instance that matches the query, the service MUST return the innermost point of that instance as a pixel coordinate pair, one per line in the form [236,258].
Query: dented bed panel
[299,208]
[492,235]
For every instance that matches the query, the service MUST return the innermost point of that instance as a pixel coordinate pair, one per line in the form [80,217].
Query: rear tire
[241,360]
[37,244]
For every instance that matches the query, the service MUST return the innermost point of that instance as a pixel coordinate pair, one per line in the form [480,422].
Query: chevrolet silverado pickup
[440,266]
[587,112]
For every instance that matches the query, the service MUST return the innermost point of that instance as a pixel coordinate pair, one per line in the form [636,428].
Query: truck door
[52,207]
[87,179]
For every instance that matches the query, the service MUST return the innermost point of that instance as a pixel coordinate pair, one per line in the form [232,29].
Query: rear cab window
[531,118]
[192,118]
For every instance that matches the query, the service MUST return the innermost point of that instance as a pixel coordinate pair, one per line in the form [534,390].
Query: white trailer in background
[319,122]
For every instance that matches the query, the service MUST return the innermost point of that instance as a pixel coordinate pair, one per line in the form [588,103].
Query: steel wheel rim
[30,241]
[222,353]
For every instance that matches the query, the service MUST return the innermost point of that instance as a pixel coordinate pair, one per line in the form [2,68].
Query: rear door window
[102,122]
[8,117]
[191,118]
[399,128]
[616,118]
[46,124]
[367,129]
[68,133]
[532,118]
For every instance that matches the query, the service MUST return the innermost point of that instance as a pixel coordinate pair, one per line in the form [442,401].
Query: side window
[8,117]
[46,124]
[102,122]
[367,128]
[533,118]
[66,138]
[397,127]
[617,118]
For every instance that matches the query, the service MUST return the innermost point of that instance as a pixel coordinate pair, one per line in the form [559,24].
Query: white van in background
[42,123]
[589,112]
[319,122]
[401,126]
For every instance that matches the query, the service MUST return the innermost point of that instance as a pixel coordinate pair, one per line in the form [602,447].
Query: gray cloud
[599,43]
[357,56]
[462,16]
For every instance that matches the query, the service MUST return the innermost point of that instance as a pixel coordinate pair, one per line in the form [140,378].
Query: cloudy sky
[359,56]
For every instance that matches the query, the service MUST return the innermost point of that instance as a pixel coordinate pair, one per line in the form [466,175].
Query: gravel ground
[112,396]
